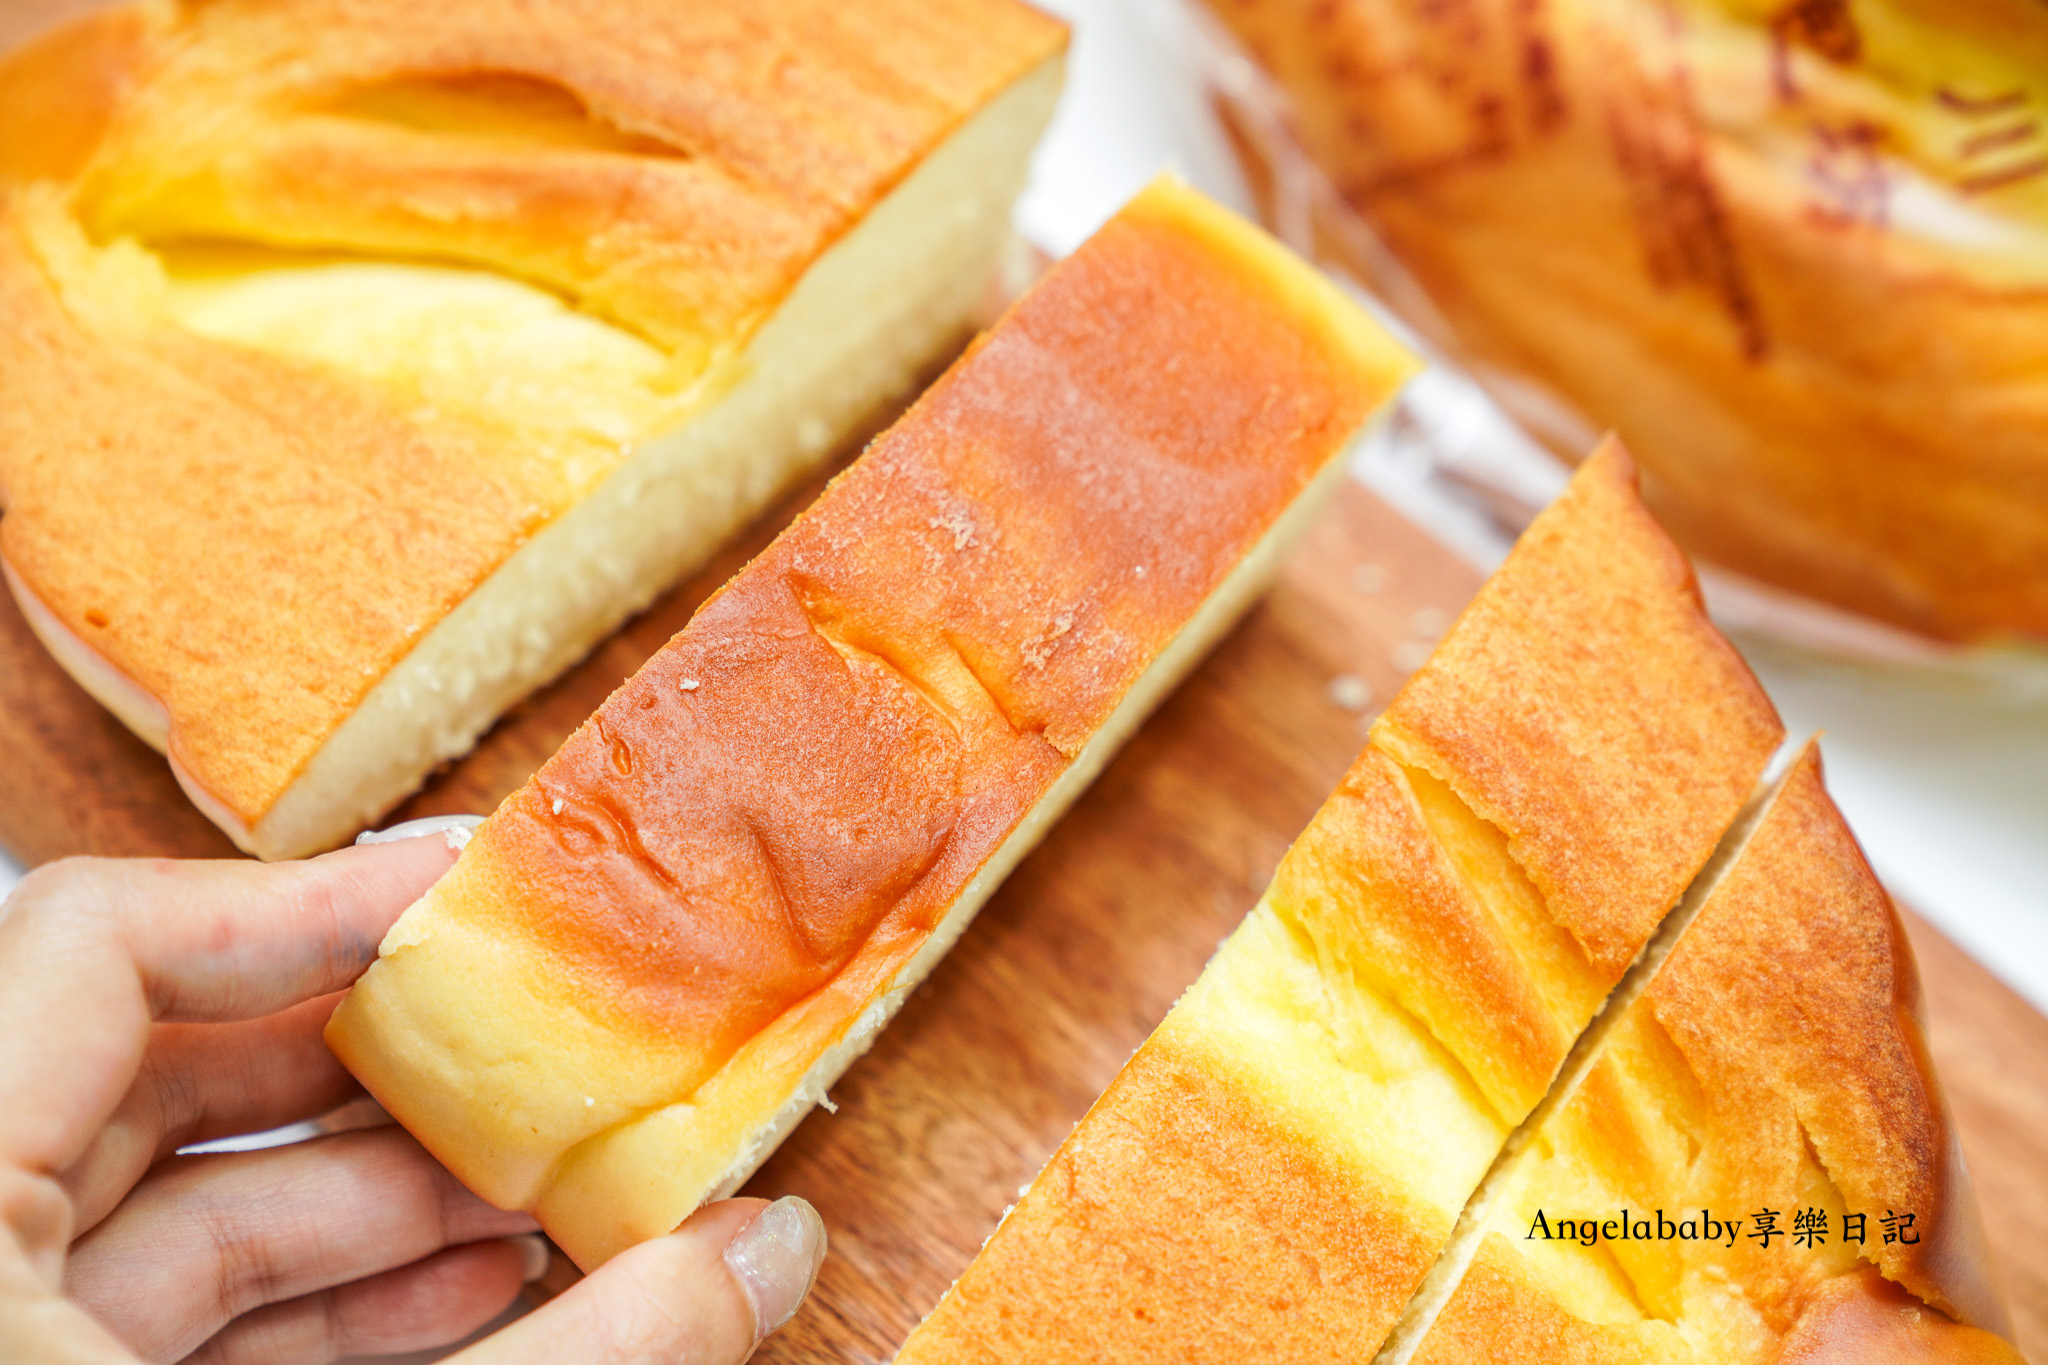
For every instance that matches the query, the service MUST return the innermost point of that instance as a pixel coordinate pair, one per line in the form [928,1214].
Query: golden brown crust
[1498,1313]
[125,453]
[881,696]
[1794,1000]
[682,163]
[1586,707]
[1728,237]
[1405,905]
[797,789]
[1182,1223]
[1380,897]
[255,542]
[1774,1064]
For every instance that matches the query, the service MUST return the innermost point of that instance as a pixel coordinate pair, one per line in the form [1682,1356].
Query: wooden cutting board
[1081,953]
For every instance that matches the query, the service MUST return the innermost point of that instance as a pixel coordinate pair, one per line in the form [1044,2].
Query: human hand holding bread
[149,1005]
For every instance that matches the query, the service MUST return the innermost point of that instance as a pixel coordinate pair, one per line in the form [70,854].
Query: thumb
[706,1294]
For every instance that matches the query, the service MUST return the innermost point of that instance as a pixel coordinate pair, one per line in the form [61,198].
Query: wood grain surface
[1081,953]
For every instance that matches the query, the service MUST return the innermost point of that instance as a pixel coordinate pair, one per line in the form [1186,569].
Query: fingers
[703,1295]
[34,1209]
[92,950]
[205,1239]
[237,940]
[430,1303]
[204,1081]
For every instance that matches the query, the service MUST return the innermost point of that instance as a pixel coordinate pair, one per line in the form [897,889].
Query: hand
[146,1006]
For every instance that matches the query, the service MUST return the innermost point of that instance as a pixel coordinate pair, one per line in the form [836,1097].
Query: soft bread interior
[860,325]
[678,1158]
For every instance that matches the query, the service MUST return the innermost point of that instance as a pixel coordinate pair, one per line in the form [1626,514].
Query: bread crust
[1151,1235]
[1796,1002]
[256,541]
[732,861]
[1865,1317]
[1728,234]
[1378,894]
[1776,1062]
[1410,944]
[1602,810]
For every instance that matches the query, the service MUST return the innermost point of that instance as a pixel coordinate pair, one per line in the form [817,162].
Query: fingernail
[533,1256]
[456,829]
[776,1258]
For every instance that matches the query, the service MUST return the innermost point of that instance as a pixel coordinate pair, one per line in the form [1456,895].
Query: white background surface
[1949,796]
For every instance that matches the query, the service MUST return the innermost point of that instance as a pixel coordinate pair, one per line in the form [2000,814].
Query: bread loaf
[1792,252]
[1275,1171]
[656,956]
[365,362]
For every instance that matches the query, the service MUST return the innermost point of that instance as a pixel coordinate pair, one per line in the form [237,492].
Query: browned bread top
[672,167]
[1184,1220]
[1283,1159]
[255,539]
[732,863]
[1588,709]
[125,447]
[1773,1076]
[1730,231]
[1796,1003]
[847,730]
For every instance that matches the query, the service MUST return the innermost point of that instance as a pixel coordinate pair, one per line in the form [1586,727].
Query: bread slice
[366,362]
[653,959]
[1727,231]
[1276,1169]
[1776,1064]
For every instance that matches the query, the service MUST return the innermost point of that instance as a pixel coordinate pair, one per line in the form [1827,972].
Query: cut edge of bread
[911,274]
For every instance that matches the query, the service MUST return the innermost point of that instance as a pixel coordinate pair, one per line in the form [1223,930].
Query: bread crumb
[689,684]
[1351,692]
[825,1102]
[1040,650]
